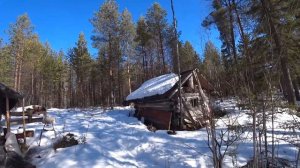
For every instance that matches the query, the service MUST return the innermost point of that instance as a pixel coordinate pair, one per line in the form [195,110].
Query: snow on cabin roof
[155,86]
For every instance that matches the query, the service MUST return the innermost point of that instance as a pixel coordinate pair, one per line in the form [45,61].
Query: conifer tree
[19,34]
[143,40]
[81,63]
[188,57]
[212,66]
[5,64]
[157,24]
[127,36]
[106,34]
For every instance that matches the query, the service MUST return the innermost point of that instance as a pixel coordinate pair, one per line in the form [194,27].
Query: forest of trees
[259,54]
[128,54]
[260,48]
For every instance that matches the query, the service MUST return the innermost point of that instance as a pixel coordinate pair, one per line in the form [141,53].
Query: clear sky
[59,22]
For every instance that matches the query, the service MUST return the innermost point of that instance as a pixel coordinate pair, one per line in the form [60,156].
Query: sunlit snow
[155,86]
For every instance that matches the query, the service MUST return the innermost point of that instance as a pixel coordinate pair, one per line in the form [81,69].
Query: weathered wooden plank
[18,113]
[188,112]
[191,95]
[19,121]
[159,109]
[163,106]
[155,106]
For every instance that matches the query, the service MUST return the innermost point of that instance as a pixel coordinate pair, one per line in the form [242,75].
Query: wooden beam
[167,109]
[191,95]
[162,104]
[184,80]
[191,82]
[206,107]
[18,113]
[24,123]
[188,112]
[7,117]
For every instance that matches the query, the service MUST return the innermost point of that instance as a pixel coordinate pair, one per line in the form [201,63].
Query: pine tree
[223,18]
[157,24]
[188,57]
[212,66]
[127,36]
[19,33]
[81,63]
[106,34]
[143,39]
[5,64]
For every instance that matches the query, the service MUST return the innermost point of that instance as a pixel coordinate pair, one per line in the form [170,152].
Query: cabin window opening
[194,102]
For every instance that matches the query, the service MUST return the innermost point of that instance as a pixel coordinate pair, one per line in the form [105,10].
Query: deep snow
[113,139]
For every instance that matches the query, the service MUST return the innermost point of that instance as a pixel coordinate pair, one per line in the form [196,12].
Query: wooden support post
[29,115]
[189,114]
[23,112]
[204,97]
[170,121]
[7,117]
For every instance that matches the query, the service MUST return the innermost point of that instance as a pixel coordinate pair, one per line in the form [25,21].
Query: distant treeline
[260,53]
[128,54]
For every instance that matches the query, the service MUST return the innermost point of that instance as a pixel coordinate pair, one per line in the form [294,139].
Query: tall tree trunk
[268,8]
[32,88]
[144,63]
[249,71]
[296,88]
[111,83]
[233,45]
[71,102]
[254,141]
[129,77]
[16,74]
[162,52]
[159,59]
[119,81]
[20,75]
[265,132]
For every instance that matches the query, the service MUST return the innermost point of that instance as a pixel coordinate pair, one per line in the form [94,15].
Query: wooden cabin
[12,95]
[8,99]
[157,103]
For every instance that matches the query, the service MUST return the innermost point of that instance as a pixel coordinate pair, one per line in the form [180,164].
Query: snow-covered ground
[20,109]
[113,139]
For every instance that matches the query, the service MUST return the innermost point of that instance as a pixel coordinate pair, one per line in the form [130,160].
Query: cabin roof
[155,86]
[160,87]
[11,94]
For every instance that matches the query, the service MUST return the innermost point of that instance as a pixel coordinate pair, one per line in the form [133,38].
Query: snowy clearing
[112,139]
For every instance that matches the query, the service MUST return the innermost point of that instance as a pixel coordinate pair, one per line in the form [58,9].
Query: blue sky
[59,22]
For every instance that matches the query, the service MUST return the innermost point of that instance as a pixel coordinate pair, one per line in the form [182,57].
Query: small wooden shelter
[8,99]
[157,101]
